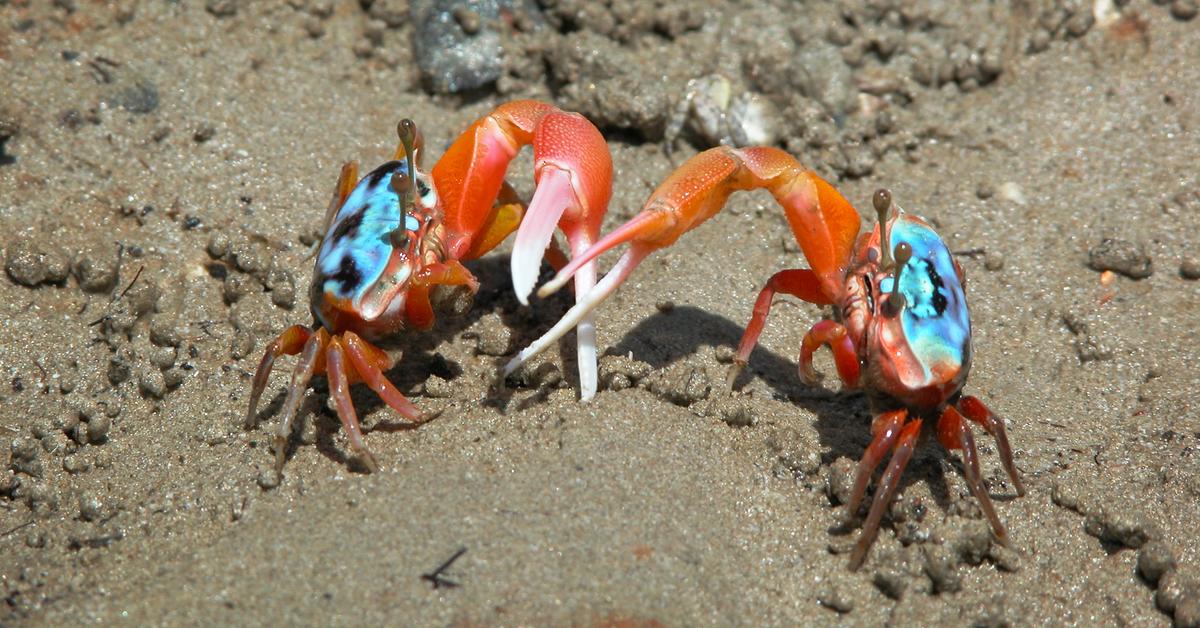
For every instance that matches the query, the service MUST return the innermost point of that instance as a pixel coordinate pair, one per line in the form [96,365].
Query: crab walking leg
[844,355]
[369,362]
[974,409]
[954,433]
[290,342]
[582,308]
[885,491]
[798,282]
[345,185]
[305,367]
[339,390]
[886,430]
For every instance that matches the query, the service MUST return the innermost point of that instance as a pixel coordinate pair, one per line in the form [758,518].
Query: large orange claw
[825,224]
[573,172]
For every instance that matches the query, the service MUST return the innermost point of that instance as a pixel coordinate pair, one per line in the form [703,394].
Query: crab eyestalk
[410,139]
[883,207]
[406,186]
[896,300]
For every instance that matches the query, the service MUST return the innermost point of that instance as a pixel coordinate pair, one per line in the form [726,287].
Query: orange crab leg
[345,360]
[974,409]
[844,355]
[306,367]
[448,273]
[953,433]
[573,173]
[345,185]
[886,429]
[290,342]
[885,491]
[798,282]
[339,390]
[823,222]
[370,363]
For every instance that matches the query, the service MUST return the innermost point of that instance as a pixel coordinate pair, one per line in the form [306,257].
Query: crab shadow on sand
[417,358]
[843,419]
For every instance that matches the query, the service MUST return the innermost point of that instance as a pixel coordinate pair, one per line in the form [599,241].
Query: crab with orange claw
[901,331]
[399,236]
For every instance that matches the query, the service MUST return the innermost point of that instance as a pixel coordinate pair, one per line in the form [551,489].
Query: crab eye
[399,238]
[400,184]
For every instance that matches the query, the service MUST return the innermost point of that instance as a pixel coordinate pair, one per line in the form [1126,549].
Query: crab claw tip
[553,196]
[509,368]
[552,286]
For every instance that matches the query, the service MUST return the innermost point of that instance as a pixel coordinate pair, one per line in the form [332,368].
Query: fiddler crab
[399,235]
[719,112]
[901,330]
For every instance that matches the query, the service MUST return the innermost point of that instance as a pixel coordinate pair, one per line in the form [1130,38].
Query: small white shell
[753,120]
[719,112]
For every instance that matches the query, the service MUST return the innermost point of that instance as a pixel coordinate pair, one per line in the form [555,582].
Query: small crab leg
[369,362]
[823,222]
[448,273]
[290,342]
[305,367]
[885,491]
[975,410]
[886,430]
[798,282]
[834,334]
[954,433]
[339,389]
[345,185]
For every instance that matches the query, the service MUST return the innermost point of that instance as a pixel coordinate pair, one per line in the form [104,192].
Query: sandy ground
[166,165]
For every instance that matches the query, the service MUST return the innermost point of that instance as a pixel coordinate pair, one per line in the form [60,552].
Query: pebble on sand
[1121,256]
